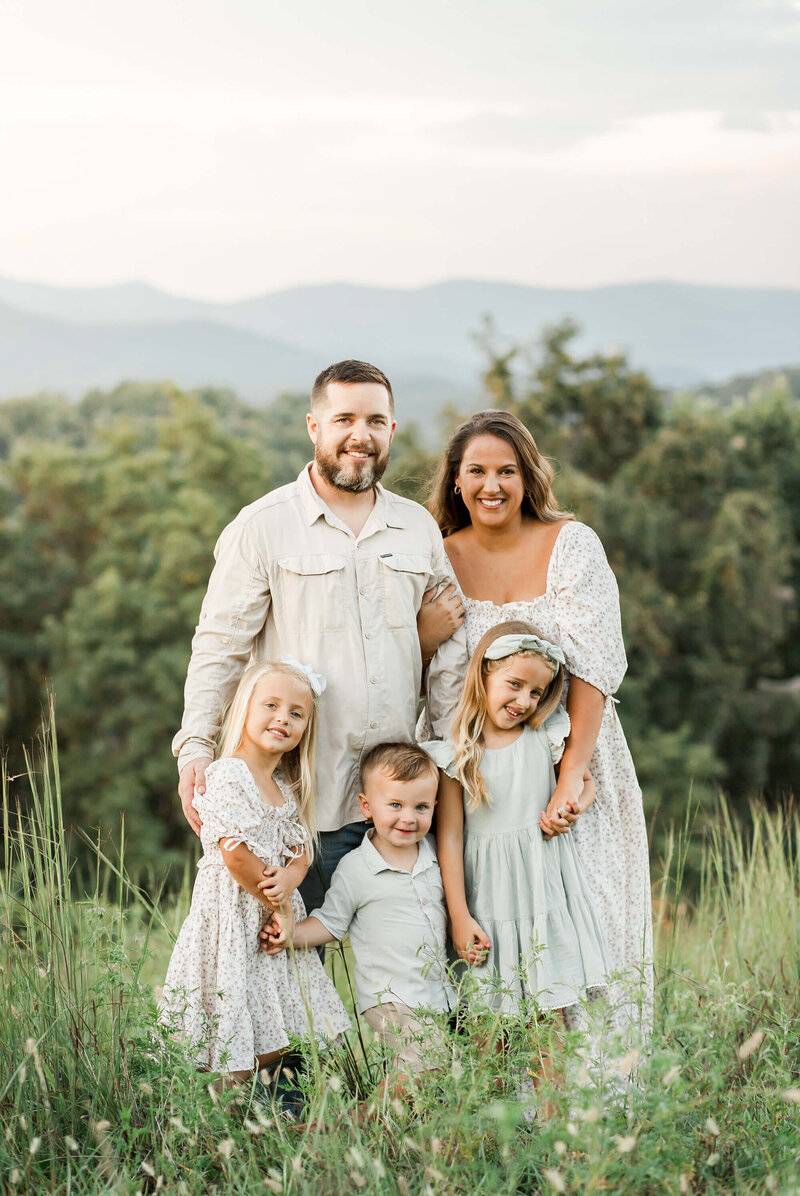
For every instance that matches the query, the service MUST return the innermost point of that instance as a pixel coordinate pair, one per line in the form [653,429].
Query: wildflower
[227,1148]
[334,1083]
[34,1145]
[572,1129]
[712,1127]
[750,1044]
[70,1143]
[671,1075]
[555,1178]
[625,1145]
[145,1089]
[560,1148]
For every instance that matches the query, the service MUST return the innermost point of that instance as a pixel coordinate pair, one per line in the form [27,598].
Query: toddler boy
[388,894]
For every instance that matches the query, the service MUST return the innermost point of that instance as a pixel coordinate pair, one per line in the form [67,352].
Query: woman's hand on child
[558,821]
[470,942]
[276,886]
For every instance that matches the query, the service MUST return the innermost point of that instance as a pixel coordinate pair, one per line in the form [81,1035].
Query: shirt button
[373,725]
[361,590]
[424,900]
[373,680]
[367,635]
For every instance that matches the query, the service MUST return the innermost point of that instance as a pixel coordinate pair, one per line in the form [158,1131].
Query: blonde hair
[539,502]
[467,731]
[297,765]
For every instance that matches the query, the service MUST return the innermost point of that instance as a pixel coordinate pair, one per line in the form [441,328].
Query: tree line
[110,508]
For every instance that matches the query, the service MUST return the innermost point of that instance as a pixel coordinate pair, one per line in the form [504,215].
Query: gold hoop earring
[457,488]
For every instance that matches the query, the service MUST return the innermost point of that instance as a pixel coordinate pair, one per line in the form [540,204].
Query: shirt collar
[376,863]
[385,513]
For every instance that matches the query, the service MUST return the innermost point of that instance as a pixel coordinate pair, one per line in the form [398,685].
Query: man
[331,569]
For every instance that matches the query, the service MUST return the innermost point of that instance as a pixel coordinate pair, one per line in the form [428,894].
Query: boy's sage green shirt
[291,577]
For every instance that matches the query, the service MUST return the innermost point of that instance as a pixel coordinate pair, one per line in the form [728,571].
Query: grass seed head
[712,1127]
[751,1044]
[555,1179]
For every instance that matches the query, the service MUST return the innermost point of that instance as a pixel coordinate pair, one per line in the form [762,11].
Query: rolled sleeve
[233,614]
[340,904]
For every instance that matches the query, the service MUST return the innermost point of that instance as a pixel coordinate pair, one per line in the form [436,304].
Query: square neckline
[525,601]
[278,781]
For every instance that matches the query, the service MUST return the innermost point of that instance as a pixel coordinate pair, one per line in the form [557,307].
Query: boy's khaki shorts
[413,1037]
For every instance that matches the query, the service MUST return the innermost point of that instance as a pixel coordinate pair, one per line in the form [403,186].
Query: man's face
[352,431]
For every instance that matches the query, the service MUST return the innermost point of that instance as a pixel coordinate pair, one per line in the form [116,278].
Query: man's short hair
[348,372]
[402,761]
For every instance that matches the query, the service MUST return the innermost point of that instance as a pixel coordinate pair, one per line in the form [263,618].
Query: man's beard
[357,478]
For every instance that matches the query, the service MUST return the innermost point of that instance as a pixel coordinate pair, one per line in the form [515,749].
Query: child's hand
[557,819]
[277,886]
[470,942]
[276,932]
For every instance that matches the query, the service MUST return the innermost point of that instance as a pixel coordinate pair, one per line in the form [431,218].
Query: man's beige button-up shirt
[291,577]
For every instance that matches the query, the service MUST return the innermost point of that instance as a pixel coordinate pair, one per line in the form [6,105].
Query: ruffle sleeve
[557,727]
[441,751]
[227,809]
[587,609]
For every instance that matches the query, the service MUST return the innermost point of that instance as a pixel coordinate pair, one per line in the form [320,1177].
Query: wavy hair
[470,717]
[448,508]
[297,765]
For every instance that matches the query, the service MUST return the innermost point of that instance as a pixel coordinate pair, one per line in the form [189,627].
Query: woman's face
[491,482]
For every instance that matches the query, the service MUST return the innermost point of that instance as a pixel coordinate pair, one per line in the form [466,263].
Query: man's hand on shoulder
[193,776]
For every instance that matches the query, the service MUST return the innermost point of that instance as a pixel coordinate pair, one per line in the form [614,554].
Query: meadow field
[94,1099]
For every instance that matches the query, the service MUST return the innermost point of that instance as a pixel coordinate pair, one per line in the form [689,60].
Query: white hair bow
[315,680]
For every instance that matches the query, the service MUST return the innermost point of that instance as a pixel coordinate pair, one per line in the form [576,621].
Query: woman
[517,556]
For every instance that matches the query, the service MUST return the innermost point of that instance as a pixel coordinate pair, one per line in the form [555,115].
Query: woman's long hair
[296,766]
[448,508]
[467,732]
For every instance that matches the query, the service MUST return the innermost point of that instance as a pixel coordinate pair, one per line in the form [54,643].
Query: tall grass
[94,1098]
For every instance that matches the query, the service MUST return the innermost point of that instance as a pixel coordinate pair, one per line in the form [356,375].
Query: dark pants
[332,846]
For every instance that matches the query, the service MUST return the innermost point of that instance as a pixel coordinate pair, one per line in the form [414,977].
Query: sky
[223,149]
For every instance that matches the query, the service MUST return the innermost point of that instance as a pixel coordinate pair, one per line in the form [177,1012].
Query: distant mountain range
[72,339]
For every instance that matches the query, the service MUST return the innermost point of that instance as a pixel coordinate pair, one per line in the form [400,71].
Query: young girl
[514,888]
[237,1005]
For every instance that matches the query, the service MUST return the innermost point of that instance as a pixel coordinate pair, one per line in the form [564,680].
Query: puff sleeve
[227,810]
[557,727]
[587,610]
[442,752]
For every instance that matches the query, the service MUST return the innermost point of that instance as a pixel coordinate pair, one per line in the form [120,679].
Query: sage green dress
[528,893]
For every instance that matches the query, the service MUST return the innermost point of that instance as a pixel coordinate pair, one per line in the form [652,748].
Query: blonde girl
[515,892]
[237,1006]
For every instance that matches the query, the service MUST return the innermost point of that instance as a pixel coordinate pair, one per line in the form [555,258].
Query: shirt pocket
[310,592]
[405,575]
